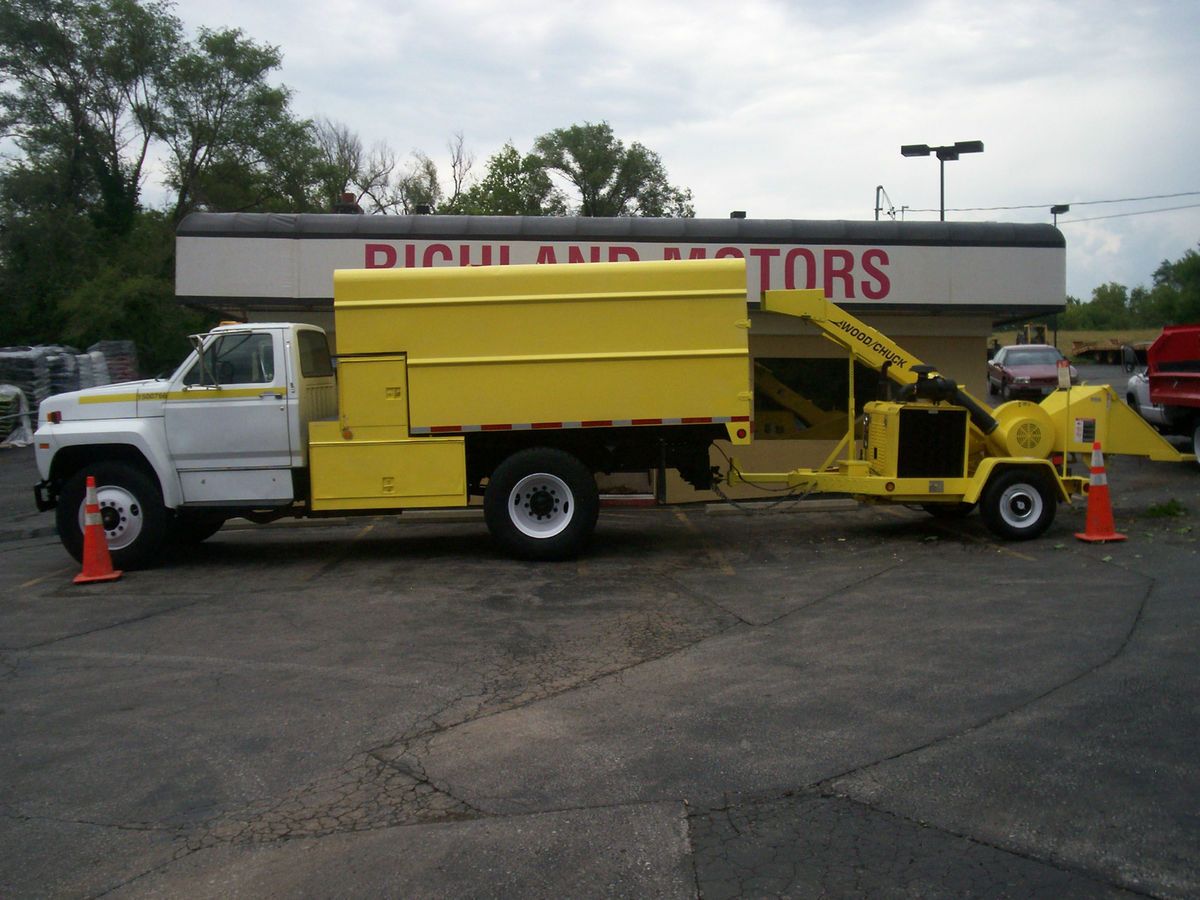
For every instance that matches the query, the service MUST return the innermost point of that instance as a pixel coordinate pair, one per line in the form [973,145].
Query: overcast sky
[792,110]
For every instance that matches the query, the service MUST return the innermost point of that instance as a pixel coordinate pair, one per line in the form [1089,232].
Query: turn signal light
[54,417]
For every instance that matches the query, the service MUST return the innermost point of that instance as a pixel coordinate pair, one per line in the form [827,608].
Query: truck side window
[314,355]
[237,359]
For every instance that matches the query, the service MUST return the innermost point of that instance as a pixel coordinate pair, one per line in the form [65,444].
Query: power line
[1140,212]
[1073,203]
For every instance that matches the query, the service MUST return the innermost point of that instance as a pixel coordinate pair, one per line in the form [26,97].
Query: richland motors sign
[266,260]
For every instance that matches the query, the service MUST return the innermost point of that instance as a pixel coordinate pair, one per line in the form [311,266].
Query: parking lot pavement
[845,702]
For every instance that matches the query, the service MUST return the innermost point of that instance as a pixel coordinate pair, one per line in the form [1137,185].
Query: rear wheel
[1018,504]
[541,504]
[131,510]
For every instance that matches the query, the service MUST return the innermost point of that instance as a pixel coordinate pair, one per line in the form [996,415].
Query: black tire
[191,527]
[135,520]
[1018,504]
[1005,393]
[541,504]
[949,510]
[991,387]
[1129,359]
[1196,441]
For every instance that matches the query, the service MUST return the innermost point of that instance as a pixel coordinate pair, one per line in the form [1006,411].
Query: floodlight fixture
[947,153]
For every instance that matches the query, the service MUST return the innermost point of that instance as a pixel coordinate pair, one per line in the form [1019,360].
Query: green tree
[234,143]
[1175,296]
[611,179]
[514,185]
[1109,306]
[82,96]
[86,88]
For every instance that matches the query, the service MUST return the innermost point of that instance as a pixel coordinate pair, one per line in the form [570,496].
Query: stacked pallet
[26,368]
[64,369]
[121,357]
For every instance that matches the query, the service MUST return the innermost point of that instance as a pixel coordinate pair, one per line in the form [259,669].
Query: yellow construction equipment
[935,445]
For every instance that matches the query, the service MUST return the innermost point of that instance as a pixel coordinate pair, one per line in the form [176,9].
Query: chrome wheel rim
[541,505]
[1020,506]
[120,512]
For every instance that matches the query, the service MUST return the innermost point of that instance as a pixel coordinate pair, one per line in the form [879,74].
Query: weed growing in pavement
[1170,509]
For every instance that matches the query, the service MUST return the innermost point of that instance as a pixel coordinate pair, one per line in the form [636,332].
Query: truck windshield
[243,358]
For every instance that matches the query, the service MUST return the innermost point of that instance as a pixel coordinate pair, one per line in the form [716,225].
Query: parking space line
[35,581]
[713,553]
[337,559]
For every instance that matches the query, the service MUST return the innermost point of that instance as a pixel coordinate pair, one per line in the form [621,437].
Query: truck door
[227,422]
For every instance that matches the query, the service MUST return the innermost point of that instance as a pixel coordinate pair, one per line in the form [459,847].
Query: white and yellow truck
[514,383]
[517,385]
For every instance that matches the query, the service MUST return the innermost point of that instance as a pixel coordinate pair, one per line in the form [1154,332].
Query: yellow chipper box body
[428,358]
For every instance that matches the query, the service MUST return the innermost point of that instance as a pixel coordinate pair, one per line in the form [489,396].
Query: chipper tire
[541,504]
[1018,504]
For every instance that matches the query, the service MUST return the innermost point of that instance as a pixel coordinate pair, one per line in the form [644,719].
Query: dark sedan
[1029,370]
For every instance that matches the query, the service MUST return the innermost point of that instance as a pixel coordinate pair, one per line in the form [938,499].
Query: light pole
[1058,209]
[949,152]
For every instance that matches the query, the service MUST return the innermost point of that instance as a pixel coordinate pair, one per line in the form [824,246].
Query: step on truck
[516,386]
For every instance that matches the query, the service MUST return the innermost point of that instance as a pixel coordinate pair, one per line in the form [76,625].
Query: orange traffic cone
[1100,526]
[97,564]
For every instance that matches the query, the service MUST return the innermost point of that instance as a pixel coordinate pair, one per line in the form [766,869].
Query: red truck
[1167,393]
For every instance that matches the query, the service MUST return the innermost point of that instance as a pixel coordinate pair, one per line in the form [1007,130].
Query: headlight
[1021,379]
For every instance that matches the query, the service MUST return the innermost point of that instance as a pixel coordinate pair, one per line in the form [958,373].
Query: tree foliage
[1173,298]
[514,185]
[83,97]
[87,88]
[610,178]
[233,140]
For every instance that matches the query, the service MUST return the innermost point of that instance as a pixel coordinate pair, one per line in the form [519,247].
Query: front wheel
[541,504]
[1018,504]
[1196,441]
[131,510]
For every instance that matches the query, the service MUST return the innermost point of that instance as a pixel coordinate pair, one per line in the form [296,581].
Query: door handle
[270,395]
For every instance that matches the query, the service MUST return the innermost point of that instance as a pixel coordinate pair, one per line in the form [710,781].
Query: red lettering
[464,255]
[727,252]
[380,256]
[764,267]
[676,253]
[575,254]
[410,256]
[616,254]
[882,285]
[546,255]
[810,269]
[446,253]
[839,266]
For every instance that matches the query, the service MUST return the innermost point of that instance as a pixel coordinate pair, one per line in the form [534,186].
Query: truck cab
[226,433]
